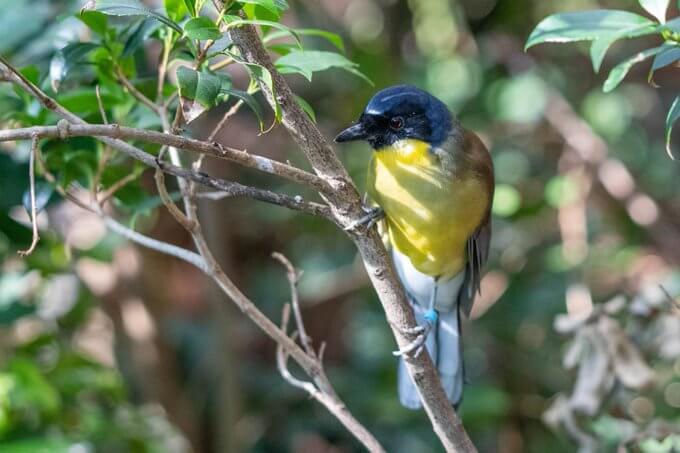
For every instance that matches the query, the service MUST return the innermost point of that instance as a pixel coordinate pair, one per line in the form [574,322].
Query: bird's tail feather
[445,348]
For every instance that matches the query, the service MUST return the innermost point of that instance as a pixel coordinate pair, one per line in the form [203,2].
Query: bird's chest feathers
[432,207]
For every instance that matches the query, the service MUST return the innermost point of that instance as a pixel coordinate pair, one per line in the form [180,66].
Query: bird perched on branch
[432,182]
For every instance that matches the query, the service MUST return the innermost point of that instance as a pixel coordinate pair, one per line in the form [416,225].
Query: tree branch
[65,130]
[346,207]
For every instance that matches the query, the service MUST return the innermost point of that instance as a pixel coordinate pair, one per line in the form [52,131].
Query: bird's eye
[397,123]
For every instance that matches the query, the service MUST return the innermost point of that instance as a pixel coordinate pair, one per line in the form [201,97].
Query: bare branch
[34,209]
[293,278]
[345,204]
[231,112]
[106,132]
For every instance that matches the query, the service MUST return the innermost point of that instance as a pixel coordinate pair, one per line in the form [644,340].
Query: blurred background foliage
[108,347]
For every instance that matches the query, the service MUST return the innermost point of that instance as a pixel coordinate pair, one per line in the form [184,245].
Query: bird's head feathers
[398,113]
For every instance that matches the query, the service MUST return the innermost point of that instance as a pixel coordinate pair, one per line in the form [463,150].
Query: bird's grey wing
[478,253]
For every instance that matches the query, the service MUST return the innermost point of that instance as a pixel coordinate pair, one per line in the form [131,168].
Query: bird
[430,182]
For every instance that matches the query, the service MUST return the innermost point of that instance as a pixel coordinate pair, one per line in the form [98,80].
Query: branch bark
[346,206]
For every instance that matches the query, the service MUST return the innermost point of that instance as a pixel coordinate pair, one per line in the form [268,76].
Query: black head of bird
[401,112]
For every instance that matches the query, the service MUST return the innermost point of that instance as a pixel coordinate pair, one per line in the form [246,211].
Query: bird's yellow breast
[431,211]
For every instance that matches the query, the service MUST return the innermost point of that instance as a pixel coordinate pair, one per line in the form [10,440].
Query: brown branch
[65,130]
[321,389]
[345,204]
[263,164]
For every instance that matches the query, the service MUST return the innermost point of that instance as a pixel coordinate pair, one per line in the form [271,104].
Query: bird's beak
[355,132]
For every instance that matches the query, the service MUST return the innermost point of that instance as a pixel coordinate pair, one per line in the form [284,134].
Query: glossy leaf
[668,56]
[274,6]
[139,36]
[671,118]
[656,8]
[307,63]
[66,59]
[198,91]
[235,21]
[133,8]
[333,38]
[619,72]
[202,28]
[95,21]
[589,26]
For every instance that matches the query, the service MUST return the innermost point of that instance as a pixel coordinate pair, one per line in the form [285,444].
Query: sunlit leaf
[333,38]
[235,21]
[656,8]
[619,71]
[668,56]
[274,6]
[176,9]
[201,28]
[308,62]
[133,8]
[96,21]
[66,59]
[671,118]
[198,91]
[589,26]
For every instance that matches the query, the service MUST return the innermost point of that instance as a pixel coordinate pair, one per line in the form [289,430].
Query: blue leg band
[431,316]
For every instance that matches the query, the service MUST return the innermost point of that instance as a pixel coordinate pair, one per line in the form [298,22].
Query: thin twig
[231,112]
[100,103]
[115,187]
[181,218]
[293,278]
[134,91]
[34,209]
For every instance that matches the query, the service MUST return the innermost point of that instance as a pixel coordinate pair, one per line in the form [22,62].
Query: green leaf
[202,28]
[139,36]
[598,50]
[235,21]
[133,8]
[198,91]
[671,118]
[333,38]
[306,107]
[620,70]
[66,59]
[589,26]
[191,7]
[656,8]
[96,21]
[249,100]
[668,56]
[274,6]
[175,9]
[308,62]
[260,73]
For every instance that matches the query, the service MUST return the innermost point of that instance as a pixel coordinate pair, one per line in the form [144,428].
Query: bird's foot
[373,215]
[416,346]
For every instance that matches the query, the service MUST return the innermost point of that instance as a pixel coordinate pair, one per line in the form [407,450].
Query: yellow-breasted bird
[433,183]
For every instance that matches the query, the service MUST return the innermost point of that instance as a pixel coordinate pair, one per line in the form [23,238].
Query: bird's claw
[373,215]
[418,344]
